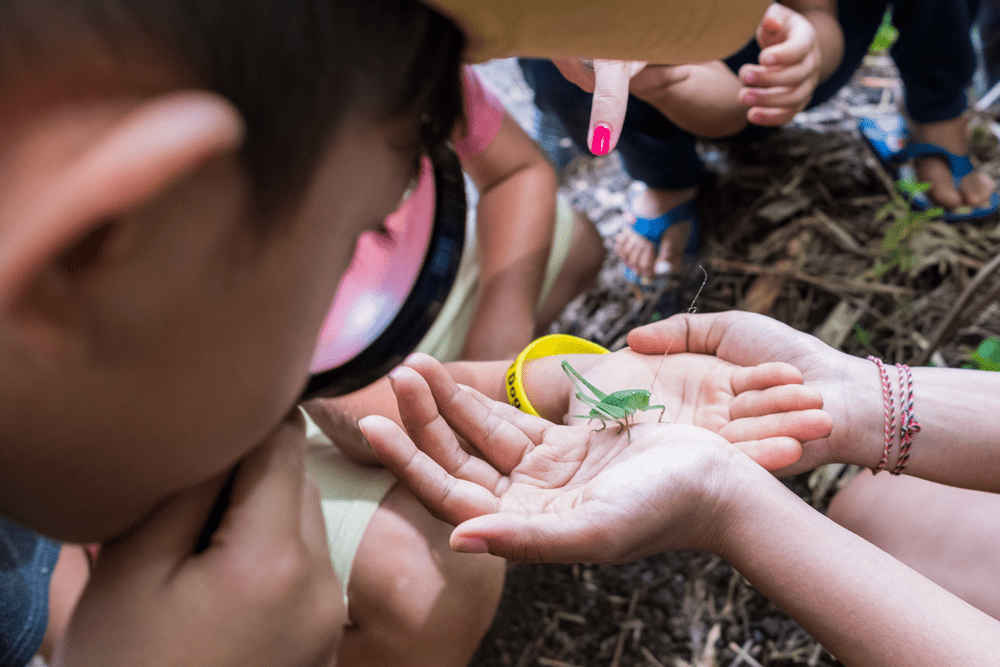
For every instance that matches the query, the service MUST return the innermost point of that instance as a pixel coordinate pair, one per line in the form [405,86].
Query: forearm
[864,606]
[959,440]
[515,227]
[705,104]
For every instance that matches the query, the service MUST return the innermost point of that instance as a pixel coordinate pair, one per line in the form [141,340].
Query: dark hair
[293,68]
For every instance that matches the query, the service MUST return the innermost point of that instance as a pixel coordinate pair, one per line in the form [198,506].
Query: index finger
[607,112]
[501,433]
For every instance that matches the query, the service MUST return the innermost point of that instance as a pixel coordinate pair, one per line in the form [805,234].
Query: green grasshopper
[618,406]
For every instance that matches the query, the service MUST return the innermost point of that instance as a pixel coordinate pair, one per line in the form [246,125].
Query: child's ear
[61,229]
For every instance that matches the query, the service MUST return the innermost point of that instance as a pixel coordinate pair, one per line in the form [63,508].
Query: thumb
[166,537]
[772,29]
[607,113]
[542,538]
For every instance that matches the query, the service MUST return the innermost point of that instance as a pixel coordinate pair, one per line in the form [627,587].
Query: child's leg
[936,61]
[947,534]
[413,600]
[578,271]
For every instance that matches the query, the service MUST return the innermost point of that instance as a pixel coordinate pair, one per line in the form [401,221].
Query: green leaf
[862,336]
[987,355]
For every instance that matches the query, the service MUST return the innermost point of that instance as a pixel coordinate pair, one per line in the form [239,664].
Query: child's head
[181,185]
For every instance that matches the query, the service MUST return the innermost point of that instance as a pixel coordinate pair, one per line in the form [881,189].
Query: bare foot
[641,255]
[975,189]
[636,251]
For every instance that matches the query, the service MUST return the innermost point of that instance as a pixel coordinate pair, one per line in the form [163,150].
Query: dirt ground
[794,227]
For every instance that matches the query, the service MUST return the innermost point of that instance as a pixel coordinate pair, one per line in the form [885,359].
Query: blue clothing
[26,564]
[989,31]
[934,54]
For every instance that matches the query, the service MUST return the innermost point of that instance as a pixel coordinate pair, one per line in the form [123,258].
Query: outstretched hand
[748,339]
[763,409]
[546,492]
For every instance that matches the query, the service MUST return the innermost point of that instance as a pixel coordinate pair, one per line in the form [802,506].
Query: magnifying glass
[395,286]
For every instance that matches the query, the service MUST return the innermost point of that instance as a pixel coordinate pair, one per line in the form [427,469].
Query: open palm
[546,492]
[765,409]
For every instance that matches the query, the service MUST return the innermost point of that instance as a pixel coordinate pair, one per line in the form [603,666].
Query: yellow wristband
[546,346]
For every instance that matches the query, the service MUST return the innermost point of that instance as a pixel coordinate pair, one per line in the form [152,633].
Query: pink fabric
[384,267]
[483,114]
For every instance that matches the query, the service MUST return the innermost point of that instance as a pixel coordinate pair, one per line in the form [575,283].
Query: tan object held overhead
[658,31]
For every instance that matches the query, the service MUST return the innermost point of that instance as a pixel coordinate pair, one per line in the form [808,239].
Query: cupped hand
[789,71]
[545,492]
[609,82]
[763,409]
[263,592]
[849,385]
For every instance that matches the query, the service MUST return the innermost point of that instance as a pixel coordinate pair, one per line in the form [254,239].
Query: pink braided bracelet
[908,424]
[890,414]
[907,421]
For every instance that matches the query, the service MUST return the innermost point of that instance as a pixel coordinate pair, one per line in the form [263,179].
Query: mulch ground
[794,227]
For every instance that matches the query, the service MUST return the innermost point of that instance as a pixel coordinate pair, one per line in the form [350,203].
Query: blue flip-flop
[886,135]
[653,229]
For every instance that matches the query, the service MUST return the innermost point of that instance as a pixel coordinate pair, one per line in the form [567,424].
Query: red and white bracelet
[907,425]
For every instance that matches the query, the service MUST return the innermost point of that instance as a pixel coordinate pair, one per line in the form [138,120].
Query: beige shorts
[351,493]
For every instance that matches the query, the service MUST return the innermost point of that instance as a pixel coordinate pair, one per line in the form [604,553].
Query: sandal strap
[653,228]
[959,165]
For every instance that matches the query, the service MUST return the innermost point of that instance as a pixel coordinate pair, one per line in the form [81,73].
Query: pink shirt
[385,266]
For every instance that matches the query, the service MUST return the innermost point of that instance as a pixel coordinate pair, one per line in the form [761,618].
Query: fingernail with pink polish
[601,143]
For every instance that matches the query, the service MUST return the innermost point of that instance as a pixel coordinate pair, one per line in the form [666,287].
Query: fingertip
[468,544]
[774,453]
[600,139]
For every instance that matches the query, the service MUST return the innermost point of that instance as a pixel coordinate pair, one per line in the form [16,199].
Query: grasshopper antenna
[691,311]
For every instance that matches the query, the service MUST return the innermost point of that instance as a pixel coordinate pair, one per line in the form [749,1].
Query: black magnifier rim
[422,304]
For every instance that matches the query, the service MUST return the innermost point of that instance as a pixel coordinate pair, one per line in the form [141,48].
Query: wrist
[739,500]
[858,406]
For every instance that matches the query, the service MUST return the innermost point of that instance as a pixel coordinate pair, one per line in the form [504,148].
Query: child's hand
[262,593]
[543,492]
[789,70]
[764,410]
[849,384]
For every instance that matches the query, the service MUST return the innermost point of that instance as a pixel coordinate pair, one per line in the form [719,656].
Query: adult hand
[849,385]
[764,409]
[262,593]
[609,82]
[789,71]
[544,492]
